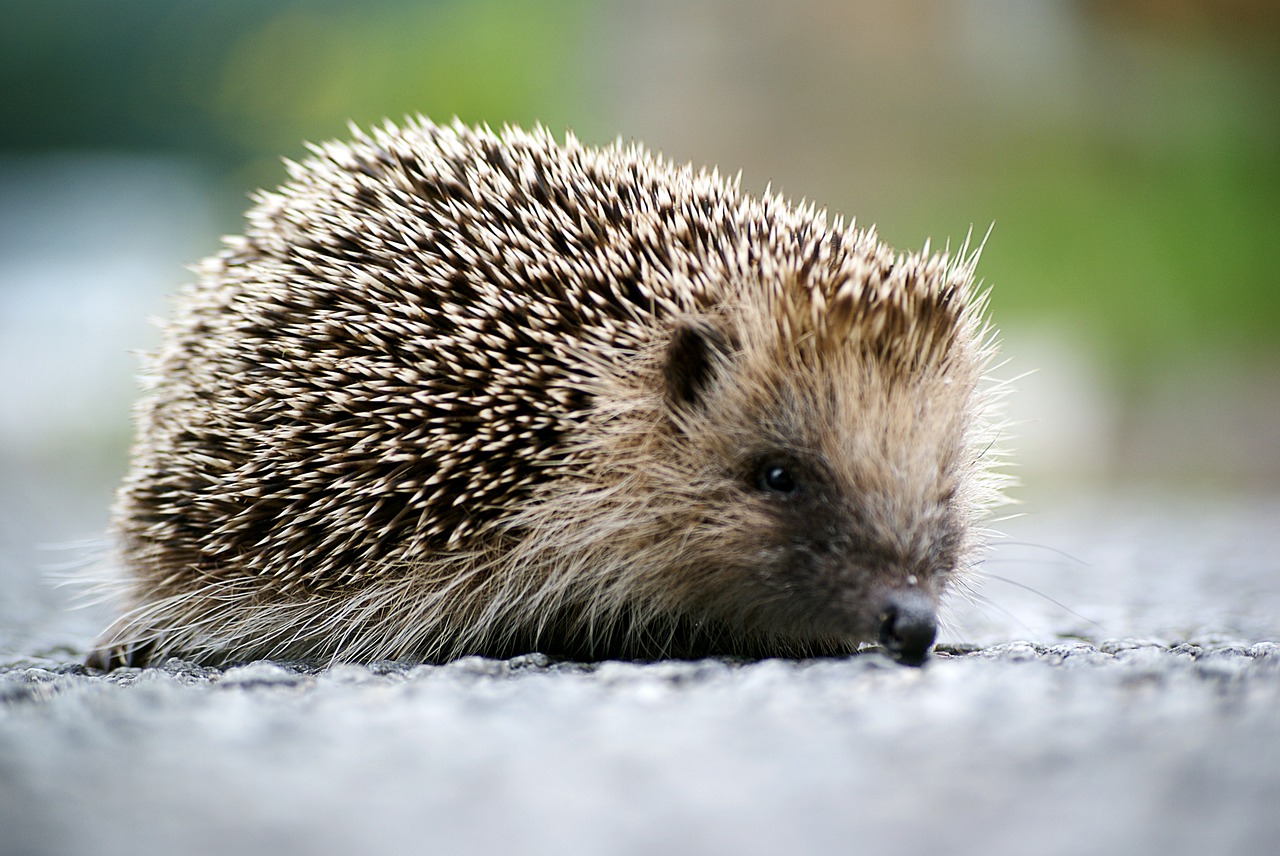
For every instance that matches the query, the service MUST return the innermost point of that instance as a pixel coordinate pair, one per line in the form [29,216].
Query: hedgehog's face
[830,494]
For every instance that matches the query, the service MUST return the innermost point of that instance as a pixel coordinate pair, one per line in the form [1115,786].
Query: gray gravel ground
[1142,718]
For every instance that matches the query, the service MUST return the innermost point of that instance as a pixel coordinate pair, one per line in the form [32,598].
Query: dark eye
[778,478]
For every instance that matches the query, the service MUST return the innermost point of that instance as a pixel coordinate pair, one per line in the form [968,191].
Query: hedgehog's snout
[907,626]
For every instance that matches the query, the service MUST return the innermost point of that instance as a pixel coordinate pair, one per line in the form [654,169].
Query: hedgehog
[457,392]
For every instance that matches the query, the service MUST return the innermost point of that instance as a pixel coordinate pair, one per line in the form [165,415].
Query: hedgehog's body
[463,393]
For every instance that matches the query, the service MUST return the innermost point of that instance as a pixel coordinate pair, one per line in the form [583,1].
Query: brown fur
[456,392]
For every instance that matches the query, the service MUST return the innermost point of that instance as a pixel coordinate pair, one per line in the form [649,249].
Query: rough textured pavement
[1143,717]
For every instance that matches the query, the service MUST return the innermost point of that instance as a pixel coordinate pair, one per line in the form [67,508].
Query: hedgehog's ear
[693,355]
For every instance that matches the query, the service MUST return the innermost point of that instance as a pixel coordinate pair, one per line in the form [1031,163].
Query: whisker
[1019,560]
[982,601]
[1033,545]
[1051,600]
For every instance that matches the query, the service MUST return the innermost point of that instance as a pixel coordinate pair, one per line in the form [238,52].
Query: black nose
[907,627]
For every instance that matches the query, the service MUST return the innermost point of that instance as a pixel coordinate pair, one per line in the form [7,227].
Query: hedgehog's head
[832,438]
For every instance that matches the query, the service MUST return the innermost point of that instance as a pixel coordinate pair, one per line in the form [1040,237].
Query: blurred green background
[1126,153]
